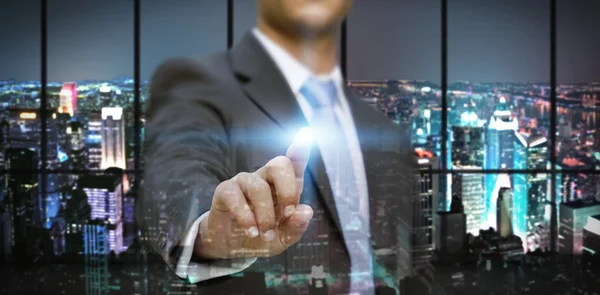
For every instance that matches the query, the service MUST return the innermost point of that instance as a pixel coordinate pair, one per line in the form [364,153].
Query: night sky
[489,40]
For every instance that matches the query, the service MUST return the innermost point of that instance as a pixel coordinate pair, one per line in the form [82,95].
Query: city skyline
[495,41]
[527,229]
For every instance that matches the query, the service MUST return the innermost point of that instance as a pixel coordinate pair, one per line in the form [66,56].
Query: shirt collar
[294,72]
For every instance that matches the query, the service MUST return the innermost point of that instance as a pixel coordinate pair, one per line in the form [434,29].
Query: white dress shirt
[296,75]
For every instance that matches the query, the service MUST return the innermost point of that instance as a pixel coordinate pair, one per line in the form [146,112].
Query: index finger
[299,152]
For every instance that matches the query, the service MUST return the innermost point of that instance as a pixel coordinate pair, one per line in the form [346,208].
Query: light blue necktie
[335,151]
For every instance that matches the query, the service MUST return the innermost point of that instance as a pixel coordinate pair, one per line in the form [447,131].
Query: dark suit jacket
[213,117]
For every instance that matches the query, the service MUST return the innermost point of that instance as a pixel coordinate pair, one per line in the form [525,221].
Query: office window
[498,75]
[578,78]
[184,28]
[396,69]
[90,81]
[20,59]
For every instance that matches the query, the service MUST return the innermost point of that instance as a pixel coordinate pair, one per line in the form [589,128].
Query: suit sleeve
[186,155]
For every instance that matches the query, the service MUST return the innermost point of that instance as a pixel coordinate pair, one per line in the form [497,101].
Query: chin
[317,19]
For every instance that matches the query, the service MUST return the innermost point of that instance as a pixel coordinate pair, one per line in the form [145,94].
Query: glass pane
[401,79]
[498,71]
[20,59]
[578,77]
[90,71]
[188,29]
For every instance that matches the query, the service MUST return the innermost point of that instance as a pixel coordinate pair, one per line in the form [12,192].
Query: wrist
[204,245]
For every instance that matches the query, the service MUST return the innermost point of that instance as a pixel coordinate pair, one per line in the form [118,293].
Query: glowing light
[502,99]
[421,153]
[304,136]
[427,114]
[66,92]
[423,161]
[27,116]
[593,225]
[426,89]
[105,89]
[115,113]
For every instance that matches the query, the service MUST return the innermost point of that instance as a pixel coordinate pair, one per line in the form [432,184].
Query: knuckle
[280,164]
[242,176]
[258,185]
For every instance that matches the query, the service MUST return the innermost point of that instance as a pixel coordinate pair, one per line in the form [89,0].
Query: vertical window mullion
[553,159]
[136,100]
[444,86]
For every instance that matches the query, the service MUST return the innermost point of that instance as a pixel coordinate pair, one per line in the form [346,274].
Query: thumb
[292,228]
[299,151]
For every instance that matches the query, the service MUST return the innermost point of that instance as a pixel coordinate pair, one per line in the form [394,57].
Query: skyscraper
[468,146]
[21,194]
[591,236]
[469,188]
[105,96]
[75,136]
[68,99]
[105,197]
[573,218]
[505,212]
[530,191]
[96,259]
[94,140]
[451,227]
[499,150]
[425,205]
[467,152]
[113,138]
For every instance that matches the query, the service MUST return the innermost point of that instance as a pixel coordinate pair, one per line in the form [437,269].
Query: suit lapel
[265,85]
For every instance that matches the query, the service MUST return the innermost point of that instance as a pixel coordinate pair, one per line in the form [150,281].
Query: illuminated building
[591,236]
[113,138]
[21,194]
[24,131]
[425,205]
[573,218]
[68,99]
[499,151]
[75,135]
[104,195]
[451,228]
[96,259]
[4,133]
[530,191]
[93,140]
[504,217]
[467,150]
[421,128]
[105,96]
[467,146]
[469,187]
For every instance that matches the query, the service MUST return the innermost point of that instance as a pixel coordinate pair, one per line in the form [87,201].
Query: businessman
[261,152]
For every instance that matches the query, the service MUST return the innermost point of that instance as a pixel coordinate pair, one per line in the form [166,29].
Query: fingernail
[252,232]
[289,209]
[269,235]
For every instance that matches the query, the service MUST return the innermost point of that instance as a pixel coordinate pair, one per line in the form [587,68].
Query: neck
[317,52]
